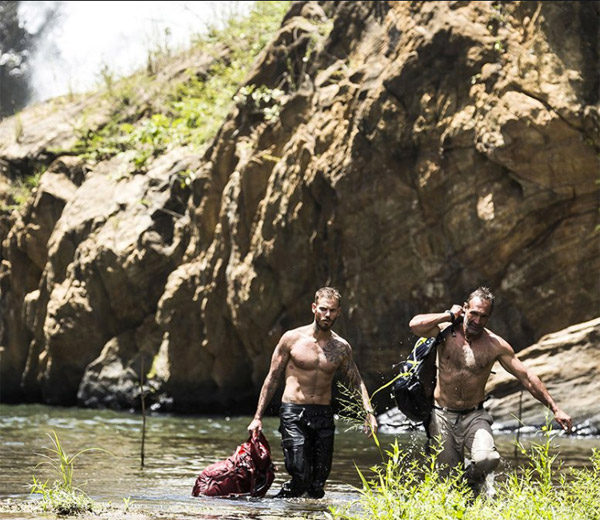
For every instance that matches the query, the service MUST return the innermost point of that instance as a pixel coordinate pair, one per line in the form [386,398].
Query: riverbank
[206,509]
[30,510]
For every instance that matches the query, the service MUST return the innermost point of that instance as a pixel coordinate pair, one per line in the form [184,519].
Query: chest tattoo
[334,352]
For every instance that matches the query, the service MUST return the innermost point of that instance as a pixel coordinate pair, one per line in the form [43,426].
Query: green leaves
[22,190]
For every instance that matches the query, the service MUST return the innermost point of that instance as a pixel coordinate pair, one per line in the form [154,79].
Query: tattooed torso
[312,366]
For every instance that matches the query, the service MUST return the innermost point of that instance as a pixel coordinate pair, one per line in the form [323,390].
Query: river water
[178,448]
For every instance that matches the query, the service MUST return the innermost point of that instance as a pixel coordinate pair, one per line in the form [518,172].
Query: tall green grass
[62,496]
[403,487]
[353,412]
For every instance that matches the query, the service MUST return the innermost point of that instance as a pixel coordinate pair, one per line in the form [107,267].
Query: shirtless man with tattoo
[308,358]
[465,360]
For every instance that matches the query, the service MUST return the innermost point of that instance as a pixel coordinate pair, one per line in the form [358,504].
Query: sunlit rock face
[418,151]
[568,361]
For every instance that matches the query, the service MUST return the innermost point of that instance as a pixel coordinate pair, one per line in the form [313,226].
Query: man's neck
[319,334]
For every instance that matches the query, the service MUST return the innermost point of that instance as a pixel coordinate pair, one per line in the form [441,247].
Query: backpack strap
[450,328]
[438,339]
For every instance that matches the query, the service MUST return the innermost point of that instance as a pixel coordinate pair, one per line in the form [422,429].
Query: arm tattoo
[353,375]
[268,390]
[347,365]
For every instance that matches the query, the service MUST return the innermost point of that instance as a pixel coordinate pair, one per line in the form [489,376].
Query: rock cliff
[567,360]
[414,151]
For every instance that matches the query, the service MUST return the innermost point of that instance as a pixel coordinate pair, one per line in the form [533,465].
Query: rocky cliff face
[419,149]
[568,361]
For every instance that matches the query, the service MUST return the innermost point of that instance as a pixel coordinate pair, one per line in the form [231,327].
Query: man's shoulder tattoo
[335,351]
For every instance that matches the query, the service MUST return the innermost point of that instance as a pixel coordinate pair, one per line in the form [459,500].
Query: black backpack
[414,385]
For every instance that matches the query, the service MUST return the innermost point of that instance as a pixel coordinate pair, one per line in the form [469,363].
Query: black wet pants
[307,433]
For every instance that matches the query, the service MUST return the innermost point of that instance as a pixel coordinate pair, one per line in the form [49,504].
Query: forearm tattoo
[269,390]
[353,375]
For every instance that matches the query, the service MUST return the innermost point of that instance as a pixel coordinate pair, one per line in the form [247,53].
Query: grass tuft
[62,496]
[188,111]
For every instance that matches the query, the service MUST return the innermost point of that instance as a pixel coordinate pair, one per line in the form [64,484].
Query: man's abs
[458,393]
[315,389]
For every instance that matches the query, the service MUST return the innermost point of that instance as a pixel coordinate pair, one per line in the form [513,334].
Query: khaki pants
[458,433]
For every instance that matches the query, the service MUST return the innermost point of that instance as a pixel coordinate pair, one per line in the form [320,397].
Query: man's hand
[370,425]
[255,427]
[565,421]
[457,311]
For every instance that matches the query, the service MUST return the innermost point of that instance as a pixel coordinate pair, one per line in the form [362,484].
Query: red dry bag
[249,471]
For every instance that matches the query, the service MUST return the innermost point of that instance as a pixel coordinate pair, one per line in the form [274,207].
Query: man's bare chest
[310,355]
[460,356]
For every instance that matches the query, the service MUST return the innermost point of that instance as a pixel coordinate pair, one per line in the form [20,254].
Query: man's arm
[532,384]
[279,360]
[427,325]
[355,379]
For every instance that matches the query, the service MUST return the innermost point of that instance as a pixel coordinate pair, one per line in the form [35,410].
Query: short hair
[483,293]
[328,292]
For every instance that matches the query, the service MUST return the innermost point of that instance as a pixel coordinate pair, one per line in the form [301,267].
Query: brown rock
[567,362]
[421,149]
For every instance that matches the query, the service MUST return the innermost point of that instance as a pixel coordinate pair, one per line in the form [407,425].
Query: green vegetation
[148,120]
[353,412]
[127,503]
[23,188]
[62,497]
[261,100]
[21,191]
[406,487]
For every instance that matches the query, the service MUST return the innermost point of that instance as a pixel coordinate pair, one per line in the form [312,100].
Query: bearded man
[308,358]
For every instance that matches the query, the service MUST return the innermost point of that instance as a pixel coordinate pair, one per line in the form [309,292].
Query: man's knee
[485,461]
[484,455]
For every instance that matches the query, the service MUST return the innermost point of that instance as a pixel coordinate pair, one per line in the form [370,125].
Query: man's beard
[325,327]
[473,331]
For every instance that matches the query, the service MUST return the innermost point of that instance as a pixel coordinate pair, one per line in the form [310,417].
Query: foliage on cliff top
[149,117]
